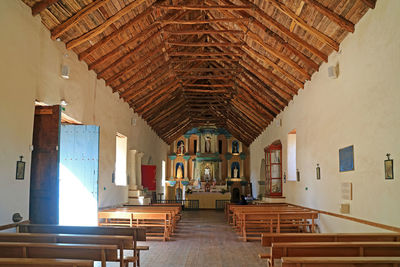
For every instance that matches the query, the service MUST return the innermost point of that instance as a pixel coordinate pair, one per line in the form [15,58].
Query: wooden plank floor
[202,238]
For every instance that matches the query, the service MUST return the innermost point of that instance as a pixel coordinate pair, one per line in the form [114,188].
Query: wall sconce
[389,168]
[318,172]
[20,170]
[298,175]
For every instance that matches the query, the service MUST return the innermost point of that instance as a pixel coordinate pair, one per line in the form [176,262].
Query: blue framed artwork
[346,159]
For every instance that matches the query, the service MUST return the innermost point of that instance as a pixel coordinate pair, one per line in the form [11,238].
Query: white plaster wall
[360,108]
[29,69]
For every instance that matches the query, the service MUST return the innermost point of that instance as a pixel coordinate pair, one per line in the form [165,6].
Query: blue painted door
[79,164]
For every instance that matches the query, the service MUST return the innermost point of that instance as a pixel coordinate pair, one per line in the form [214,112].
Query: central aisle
[203,238]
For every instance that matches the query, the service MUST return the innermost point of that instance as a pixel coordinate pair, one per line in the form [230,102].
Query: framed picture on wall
[346,159]
[20,171]
[389,169]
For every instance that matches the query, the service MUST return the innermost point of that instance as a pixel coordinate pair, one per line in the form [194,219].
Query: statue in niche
[235,147]
[179,172]
[208,144]
[235,172]
[181,147]
[207,173]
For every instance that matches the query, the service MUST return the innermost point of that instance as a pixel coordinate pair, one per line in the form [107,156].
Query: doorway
[79,163]
[64,172]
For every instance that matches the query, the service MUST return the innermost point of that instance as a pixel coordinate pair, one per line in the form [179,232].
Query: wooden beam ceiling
[234,64]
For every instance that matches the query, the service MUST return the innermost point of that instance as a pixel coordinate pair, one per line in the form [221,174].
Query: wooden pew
[268,238]
[101,253]
[25,262]
[138,234]
[334,249]
[238,211]
[123,242]
[174,212]
[341,261]
[231,208]
[151,221]
[252,225]
[32,262]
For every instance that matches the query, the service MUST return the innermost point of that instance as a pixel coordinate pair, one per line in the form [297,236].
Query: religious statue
[181,148]
[208,144]
[235,147]
[235,172]
[179,172]
[207,174]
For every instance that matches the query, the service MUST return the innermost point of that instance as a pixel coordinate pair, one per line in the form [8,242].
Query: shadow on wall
[261,188]
[262,170]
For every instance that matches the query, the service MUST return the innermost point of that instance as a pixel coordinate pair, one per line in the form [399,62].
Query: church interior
[200,133]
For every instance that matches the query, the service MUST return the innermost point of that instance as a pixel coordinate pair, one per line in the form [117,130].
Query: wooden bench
[340,261]
[101,253]
[137,234]
[237,212]
[231,208]
[334,249]
[123,242]
[268,238]
[173,209]
[252,225]
[24,262]
[157,225]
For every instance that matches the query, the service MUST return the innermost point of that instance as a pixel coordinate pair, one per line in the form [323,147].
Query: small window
[220,146]
[120,160]
[291,152]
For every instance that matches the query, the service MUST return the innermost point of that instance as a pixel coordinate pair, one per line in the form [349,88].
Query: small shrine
[208,160]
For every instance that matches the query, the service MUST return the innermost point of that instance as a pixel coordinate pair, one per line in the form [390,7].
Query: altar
[207,199]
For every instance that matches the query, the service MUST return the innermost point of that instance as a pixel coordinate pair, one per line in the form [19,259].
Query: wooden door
[43,200]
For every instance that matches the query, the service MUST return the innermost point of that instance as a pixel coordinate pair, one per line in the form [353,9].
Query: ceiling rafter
[234,64]
[42,5]
[102,27]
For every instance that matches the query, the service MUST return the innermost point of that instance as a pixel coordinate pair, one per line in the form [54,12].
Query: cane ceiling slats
[180,64]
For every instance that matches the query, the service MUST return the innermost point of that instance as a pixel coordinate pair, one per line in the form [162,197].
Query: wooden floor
[202,238]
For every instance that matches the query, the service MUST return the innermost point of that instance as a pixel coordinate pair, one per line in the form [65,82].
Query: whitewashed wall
[30,69]
[360,108]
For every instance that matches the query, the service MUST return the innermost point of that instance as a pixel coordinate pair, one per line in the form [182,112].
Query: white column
[215,144]
[174,147]
[184,192]
[240,147]
[139,168]
[198,143]
[132,168]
